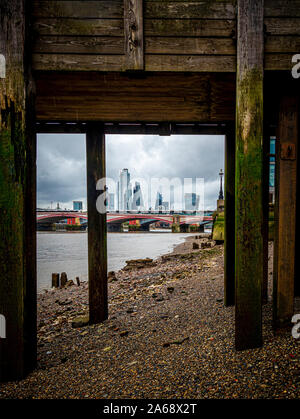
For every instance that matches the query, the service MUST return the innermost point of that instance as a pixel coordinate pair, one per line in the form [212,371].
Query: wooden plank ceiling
[166,35]
[86,54]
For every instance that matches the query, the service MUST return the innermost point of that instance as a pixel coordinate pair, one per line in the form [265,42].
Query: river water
[67,252]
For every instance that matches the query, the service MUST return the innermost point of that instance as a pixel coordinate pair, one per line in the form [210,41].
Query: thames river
[67,252]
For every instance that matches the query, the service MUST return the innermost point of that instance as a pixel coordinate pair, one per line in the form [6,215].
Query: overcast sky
[61,163]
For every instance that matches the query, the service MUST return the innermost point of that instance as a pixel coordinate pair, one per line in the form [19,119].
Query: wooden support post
[297,244]
[285,211]
[229,230]
[97,232]
[17,196]
[134,34]
[265,186]
[249,173]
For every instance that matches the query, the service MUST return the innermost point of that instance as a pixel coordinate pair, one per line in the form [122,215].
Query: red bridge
[122,217]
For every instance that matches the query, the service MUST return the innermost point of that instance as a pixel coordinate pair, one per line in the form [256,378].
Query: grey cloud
[61,169]
[61,162]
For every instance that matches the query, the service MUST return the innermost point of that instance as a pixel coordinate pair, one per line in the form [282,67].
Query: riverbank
[168,336]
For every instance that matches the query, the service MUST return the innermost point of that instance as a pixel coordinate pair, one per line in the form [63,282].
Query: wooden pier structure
[151,67]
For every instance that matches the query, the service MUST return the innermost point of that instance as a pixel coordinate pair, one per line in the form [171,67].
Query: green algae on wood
[249,173]
[17,198]
[218,227]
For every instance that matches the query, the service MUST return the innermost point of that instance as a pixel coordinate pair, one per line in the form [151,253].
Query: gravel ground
[168,336]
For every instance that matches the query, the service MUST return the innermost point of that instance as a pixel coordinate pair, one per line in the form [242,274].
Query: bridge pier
[145,227]
[115,228]
[176,224]
[176,228]
[185,228]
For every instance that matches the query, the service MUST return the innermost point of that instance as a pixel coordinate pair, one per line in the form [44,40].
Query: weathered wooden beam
[195,27]
[278,62]
[203,63]
[297,244]
[282,44]
[30,242]
[78,62]
[132,128]
[112,45]
[229,243]
[190,9]
[249,174]
[279,26]
[195,97]
[17,196]
[151,27]
[87,62]
[97,233]
[282,8]
[265,231]
[134,34]
[285,211]
[158,63]
[78,9]
[185,46]
[76,27]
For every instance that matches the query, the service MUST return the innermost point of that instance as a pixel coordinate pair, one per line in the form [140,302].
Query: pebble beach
[168,335]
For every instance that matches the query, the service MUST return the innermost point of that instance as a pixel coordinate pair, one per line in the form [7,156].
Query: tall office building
[111,202]
[77,205]
[118,196]
[191,202]
[165,205]
[172,193]
[272,171]
[137,198]
[124,190]
[159,201]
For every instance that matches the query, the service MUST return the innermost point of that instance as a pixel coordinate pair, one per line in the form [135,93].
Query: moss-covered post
[229,214]
[17,195]
[97,229]
[249,174]
[176,224]
[285,211]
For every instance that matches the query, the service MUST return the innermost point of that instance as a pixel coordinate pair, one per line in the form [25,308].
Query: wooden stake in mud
[249,175]
[97,232]
[55,280]
[17,195]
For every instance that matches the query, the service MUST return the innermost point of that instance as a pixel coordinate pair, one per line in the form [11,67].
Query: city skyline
[128,197]
[62,171]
